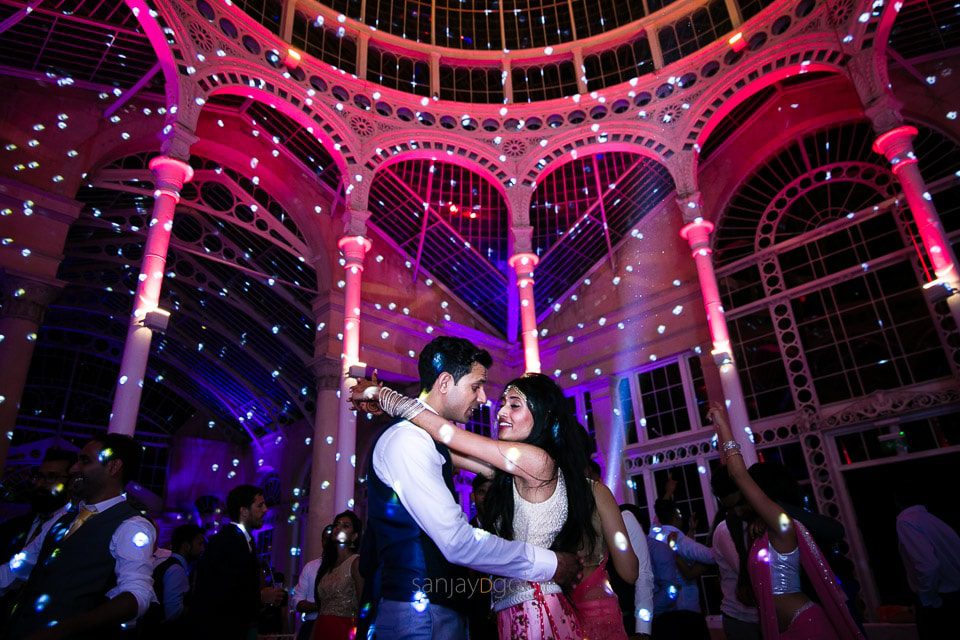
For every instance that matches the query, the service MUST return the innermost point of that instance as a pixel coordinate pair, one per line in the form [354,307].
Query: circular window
[229,29]
[205,9]
[250,44]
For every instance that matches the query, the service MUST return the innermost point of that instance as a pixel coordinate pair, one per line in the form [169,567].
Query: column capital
[354,250]
[355,222]
[691,206]
[171,174]
[524,264]
[328,372]
[896,145]
[26,297]
[177,140]
[697,234]
[522,236]
[884,113]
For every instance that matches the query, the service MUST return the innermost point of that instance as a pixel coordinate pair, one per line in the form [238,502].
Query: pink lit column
[324,448]
[354,249]
[170,175]
[897,146]
[524,264]
[26,300]
[697,234]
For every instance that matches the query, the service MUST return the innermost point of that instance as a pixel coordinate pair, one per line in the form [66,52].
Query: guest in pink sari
[594,599]
[780,552]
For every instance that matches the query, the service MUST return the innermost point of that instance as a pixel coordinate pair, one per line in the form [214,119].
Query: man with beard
[48,497]
[228,594]
[93,571]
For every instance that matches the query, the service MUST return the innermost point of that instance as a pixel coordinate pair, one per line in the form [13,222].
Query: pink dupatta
[832,598]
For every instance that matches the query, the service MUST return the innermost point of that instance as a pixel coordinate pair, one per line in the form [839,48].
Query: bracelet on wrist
[730,445]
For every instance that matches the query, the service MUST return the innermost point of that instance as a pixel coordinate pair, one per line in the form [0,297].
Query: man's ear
[444,382]
[114,467]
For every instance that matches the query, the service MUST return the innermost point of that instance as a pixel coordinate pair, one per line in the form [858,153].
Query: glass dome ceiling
[494,24]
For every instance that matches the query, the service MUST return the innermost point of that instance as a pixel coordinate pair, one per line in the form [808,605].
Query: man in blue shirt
[676,599]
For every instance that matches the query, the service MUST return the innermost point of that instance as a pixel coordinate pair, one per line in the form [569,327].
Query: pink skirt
[810,623]
[545,617]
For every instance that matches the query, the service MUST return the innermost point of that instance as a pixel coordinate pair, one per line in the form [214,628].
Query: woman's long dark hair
[329,559]
[558,433]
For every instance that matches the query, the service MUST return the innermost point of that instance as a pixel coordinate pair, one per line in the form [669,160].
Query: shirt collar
[244,531]
[103,505]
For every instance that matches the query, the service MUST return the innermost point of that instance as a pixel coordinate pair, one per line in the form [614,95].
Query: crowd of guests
[549,554]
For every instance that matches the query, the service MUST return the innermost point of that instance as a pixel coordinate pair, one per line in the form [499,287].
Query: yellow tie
[84,515]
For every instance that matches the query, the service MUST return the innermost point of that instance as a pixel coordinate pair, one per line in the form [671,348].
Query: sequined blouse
[537,523]
[336,594]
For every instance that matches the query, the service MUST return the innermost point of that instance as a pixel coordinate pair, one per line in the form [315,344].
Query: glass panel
[663,401]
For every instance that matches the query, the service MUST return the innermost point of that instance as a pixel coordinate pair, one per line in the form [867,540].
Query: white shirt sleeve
[132,548]
[175,587]
[921,555]
[724,550]
[406,459]
[304,589]
[643,589]
[690,549]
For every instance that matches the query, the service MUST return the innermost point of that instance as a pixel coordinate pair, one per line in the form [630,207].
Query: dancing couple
[547,524]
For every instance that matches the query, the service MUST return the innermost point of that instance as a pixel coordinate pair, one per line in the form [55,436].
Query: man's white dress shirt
[131,546]
[643,589]
[728,561]
[931,554]
[406,459]
[304,589]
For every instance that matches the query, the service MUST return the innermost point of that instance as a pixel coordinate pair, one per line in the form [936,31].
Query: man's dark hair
[721,482]
[594,466]
[241,497]
[479,480]
[124,448]
[185,534]
[60,455]
[666,510]
[455,356]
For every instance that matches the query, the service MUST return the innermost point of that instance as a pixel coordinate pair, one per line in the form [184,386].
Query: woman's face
[514,418]
[343,531]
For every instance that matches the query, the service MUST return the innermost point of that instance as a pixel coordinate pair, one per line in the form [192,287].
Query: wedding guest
[930,550]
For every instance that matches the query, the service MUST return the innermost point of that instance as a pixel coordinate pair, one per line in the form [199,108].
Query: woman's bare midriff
[786,606]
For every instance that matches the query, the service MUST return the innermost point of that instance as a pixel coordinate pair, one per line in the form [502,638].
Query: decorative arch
[584,207]
[619,137]
[804,57]
[401,146]
[316,117]
[150,22]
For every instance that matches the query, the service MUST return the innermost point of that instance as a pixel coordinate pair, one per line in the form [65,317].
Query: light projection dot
[41,602]
[141,539]
[784,522]
[446,433]
[620,541]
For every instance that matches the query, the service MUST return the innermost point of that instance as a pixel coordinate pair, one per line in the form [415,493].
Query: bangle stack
[730,448]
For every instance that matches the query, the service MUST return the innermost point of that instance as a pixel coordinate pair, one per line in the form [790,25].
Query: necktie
[84,515]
